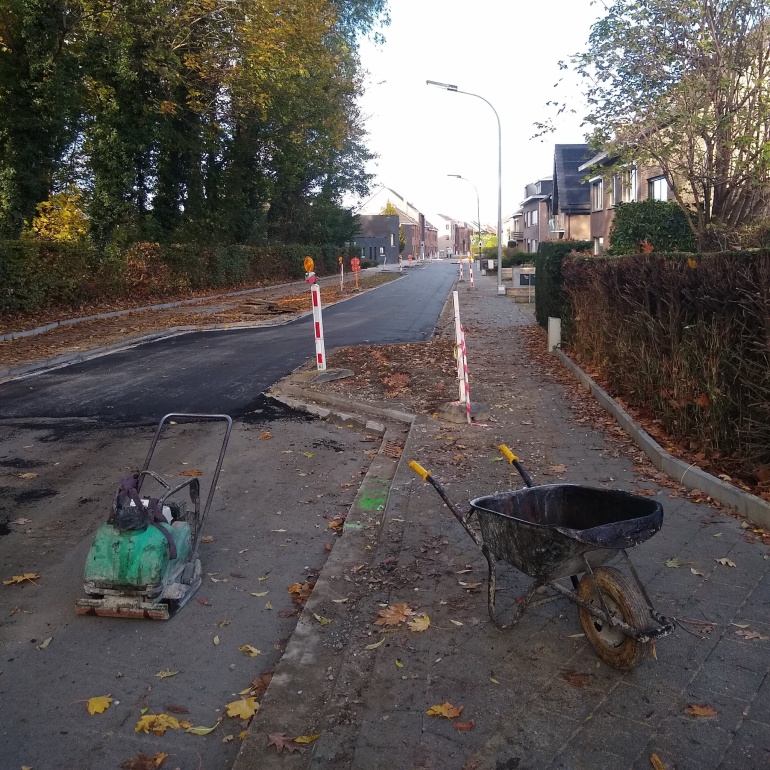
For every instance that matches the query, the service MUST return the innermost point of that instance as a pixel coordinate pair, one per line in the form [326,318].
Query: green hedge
[35,274]
[662,224]
[548,295]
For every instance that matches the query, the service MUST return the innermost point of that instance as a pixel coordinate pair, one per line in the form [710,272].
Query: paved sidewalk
[536,696]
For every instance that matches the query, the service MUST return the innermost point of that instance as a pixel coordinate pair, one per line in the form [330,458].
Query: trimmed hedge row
[685,337]
[548,297]
[35,274]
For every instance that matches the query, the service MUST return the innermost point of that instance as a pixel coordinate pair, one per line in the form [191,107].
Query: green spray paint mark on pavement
[374,494]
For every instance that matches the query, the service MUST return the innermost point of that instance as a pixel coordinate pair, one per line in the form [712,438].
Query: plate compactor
[144,559]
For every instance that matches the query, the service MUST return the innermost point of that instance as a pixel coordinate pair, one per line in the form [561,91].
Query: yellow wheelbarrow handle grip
[419,470]
[510,456]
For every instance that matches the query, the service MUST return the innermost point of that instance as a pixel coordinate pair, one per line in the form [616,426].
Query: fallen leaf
[375,645]
[261,593]
[98,704]
[558,468]
[204,602]
[748,635]
[740,625]
[207,539]
[469,586]
[244,708]
[268,605]
[228,738]
[419,623]
[304,739]
[191,473]
[445,710]
[242,735]
[222,623]
[399,664]
[203,730]
[44,643]
[268,435]
[278,530]
[700,710]
[247,649]
[576,679]
[322,620]
[340,601]
[673,562]
[300,591]
[177,709]
[464,727]
[158,724]
[216,639]
[493,680]
[31,576]
[281,742]
[393,615]
[144,761]
[725,562]
[21,522]
[456,622]
[656,763]
[28,475]
[166,674]
[696,572]
[308,454]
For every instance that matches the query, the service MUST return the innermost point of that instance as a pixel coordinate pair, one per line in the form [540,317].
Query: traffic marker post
[458,347]
[400,264]
[355,266]
[342,271]
[462,276]
[318,327]
[465,378]
[470,271]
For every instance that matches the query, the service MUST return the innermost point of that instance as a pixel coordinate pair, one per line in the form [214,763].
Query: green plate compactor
[144,559]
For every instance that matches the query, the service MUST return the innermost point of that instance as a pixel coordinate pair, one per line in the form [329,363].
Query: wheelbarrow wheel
[623,601]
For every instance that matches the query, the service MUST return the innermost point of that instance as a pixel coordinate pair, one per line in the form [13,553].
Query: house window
[532,246]
[597,195]
[623,189]
[392,240]
[657,189]
[382,251]
[599,245]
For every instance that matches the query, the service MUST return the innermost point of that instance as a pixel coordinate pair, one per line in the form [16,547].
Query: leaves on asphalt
[191,473]
[419,623]
[245,708]
[750,635]
[27,475]
[203,730]
[282,741]
[322,620]
[394,614]
[44,643]
[144,761]
[375,645]
[247,649]
[700,710]
[656,763]
[725,562]
[266,436]
[300,591]
[445,710]
[30,576]
[166,674]
[98,704]
[464,727]
[673,562]
[158,724]
[305,739]
[576,679]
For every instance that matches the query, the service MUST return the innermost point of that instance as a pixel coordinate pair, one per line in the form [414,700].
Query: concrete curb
[690,476]
[313,660]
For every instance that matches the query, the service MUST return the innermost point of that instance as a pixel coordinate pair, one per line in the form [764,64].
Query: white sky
[504,50]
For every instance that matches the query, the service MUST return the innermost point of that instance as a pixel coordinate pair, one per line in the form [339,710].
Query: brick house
[535,210]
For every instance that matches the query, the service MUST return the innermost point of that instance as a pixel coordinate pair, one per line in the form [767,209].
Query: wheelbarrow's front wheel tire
[625,602]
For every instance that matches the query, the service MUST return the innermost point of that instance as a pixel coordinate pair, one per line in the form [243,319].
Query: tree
[685,85]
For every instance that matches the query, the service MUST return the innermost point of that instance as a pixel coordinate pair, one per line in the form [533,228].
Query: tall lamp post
[450,87]
[478,209]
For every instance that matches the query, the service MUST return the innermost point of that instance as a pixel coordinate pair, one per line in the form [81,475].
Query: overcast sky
[504,50]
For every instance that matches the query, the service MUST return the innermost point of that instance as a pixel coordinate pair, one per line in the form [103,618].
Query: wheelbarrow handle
[426,476]
[514,461]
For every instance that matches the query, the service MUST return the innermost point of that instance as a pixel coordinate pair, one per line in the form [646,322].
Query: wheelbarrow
[557,531]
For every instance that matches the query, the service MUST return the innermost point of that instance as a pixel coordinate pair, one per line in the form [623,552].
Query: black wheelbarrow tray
[556,531]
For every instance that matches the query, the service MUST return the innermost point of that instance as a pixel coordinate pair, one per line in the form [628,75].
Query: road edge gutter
[690,476]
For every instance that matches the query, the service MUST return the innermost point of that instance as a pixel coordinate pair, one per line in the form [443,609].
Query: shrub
[548,296]
[650,225]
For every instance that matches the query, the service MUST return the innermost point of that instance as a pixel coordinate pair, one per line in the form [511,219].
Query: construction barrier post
[470,271]
[318,326]
[462,276]
[342,272]
[466,379]
[458,347]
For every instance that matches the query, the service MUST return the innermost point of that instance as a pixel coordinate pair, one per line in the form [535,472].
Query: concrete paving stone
[579,702]
[730,711]
[585,760]
[717,590]
[750,748]
[647,705]
[752,655]
[687,743]
[759,711]
[733,680]
[613,736]
[757,609]
[403,728]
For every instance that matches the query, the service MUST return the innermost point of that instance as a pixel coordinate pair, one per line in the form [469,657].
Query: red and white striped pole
[462,277]
[465,377]
[318,326]
[470,270]
[458,347]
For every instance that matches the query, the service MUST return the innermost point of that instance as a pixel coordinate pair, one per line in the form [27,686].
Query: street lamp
[478,209]
[450,87]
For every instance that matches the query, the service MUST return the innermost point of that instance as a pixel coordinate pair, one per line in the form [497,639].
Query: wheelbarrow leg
[492,591]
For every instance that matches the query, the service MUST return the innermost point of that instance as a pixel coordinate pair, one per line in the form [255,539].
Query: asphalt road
[225,371]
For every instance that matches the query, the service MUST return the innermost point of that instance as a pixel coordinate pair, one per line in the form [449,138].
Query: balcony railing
[516,235]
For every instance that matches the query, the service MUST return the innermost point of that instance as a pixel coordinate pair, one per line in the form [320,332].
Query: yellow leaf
[203,730]
[656,763]
[216,639]
[375,645]
[456,622]
[261,593]
[44,643]
[266,436]
[399,663]
[242,735]
[700,710]
[307,738]
[322,620]
[99,704]
[393,615]
[692,263]
[244,708]
[725,562]
[31,576]
[308,454]
[445,710]
[227,738]
[191,473]
[27,475]
[493,680]
[268,605]
[157,723]
[420,623]
[262,578]
[166,674]
[252,652]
